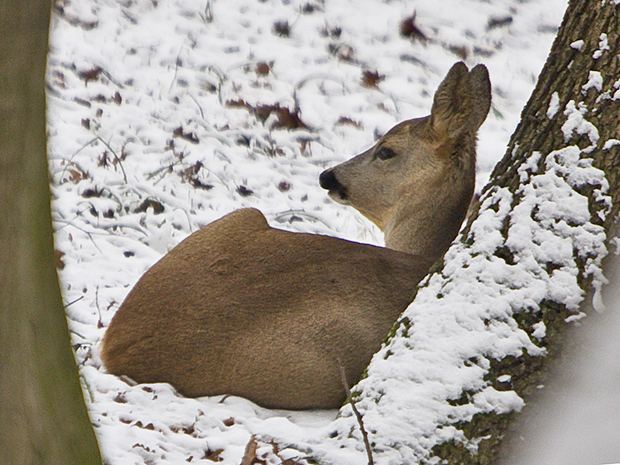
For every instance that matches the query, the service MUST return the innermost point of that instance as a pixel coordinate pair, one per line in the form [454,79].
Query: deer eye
[385,153]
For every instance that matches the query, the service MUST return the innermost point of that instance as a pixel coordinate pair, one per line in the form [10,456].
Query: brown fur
[245,309]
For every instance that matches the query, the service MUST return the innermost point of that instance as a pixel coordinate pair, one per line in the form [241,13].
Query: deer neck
[427,226]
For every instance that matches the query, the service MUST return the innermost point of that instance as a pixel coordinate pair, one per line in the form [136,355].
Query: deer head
[417,181]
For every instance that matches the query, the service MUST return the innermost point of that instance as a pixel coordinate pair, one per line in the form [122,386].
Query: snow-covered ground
[163,116]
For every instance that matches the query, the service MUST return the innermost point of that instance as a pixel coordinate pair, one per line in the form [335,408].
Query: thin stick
[99,323]
[74,301]
[358,416]
[202,115]
[176,69]
[115,156]
[69,223]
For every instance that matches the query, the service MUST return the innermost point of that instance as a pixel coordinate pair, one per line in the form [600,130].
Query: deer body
[263,322]
[245,309]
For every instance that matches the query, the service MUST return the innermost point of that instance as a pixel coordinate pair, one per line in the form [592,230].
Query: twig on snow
[202,115]
[207,16]
[69,223]
[115,156]
[280,217]
[99,322]
[176,68]
[357,414]
[74,301]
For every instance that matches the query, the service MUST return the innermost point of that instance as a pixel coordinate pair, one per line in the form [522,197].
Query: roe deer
[245,309]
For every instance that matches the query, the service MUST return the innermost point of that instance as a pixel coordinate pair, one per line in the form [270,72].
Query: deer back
[245,309]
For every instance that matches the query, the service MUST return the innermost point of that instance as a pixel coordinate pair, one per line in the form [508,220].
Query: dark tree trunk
[570,74]
[566,72]
[43,419]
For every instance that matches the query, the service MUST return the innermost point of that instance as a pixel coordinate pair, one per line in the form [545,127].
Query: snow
[540,330]
[578,45]
[595,81]
[554,105]
[603,46]
[153,133]
[576,123]
[610,143]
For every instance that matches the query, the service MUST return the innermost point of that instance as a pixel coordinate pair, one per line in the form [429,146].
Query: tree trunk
[426,397]
[582,72]
[43,418]
[567,71]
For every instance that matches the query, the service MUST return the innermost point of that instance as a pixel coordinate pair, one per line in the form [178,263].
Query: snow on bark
[523,249]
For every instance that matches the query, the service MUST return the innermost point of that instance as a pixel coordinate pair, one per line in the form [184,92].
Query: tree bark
[43,418]
[588,74]
[566,72]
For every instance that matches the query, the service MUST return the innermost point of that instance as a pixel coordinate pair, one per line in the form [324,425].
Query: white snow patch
[554,105]
[504,378]
[576,123]
[603,46]
[595,80]
[575,318]
[576,421]
[540,330]
[609,143]
[500,402]
[617,93]
[577,45]
[529,167]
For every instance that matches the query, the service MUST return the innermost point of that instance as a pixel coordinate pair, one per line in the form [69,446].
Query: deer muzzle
[336,190]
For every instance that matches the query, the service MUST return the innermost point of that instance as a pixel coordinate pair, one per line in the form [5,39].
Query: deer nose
[328,181]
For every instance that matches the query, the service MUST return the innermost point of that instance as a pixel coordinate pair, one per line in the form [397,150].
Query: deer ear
[481,94]
[462,101]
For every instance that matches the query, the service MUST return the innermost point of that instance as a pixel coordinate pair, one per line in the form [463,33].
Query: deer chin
[340,196]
